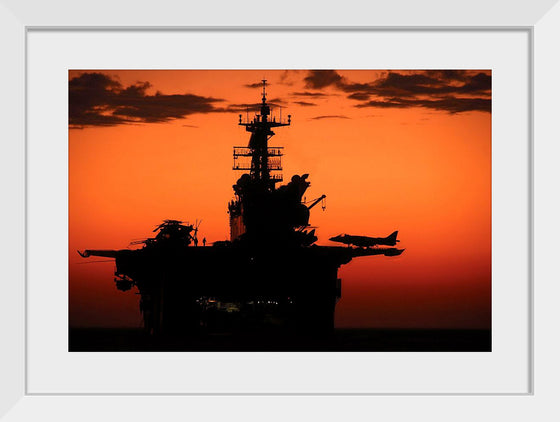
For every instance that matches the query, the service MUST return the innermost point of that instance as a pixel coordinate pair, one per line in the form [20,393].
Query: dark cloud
[309,94]
[243,107]
[449,104]
[407,85]
[411,85]
[96,99]
[454,91]
[361,96]
[256,85]
[305,103]
[334,116]
[394,103]
[480,82]
[448,74]
[317,79]
[274,102]
[252,107]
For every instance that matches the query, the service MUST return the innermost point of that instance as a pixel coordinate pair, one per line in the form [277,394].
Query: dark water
[342,340]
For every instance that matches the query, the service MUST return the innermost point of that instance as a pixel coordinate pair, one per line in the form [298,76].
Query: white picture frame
[539,18]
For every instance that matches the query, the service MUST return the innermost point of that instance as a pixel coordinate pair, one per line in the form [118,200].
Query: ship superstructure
[261,213]
[270,272]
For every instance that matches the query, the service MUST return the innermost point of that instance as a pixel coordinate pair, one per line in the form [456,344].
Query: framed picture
[53,53]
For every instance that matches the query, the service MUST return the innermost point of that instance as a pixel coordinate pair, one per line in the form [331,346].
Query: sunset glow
[391,150]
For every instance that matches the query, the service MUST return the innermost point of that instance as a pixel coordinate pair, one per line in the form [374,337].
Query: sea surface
[341,340]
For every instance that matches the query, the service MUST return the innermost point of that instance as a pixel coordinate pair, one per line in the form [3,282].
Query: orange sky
[399,150]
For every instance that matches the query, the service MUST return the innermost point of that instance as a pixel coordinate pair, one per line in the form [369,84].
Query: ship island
[270,276]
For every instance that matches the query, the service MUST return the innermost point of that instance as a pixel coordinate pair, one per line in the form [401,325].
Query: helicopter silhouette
[173,232]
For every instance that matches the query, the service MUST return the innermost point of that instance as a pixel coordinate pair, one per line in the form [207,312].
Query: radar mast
[265,160]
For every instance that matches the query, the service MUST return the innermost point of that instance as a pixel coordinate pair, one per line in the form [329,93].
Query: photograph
[280,210]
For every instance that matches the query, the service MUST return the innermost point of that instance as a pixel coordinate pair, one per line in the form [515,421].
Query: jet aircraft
[366,241]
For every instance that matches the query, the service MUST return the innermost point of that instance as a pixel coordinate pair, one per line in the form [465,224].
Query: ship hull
[296,288]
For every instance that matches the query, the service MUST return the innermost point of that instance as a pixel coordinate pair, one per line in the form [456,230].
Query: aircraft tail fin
[393,236]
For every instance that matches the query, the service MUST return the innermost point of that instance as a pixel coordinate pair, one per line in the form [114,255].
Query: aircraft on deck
[366,241]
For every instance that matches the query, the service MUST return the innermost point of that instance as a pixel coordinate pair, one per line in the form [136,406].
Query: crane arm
[316,201]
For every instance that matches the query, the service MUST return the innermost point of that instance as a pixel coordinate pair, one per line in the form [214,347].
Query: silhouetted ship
[269,274]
